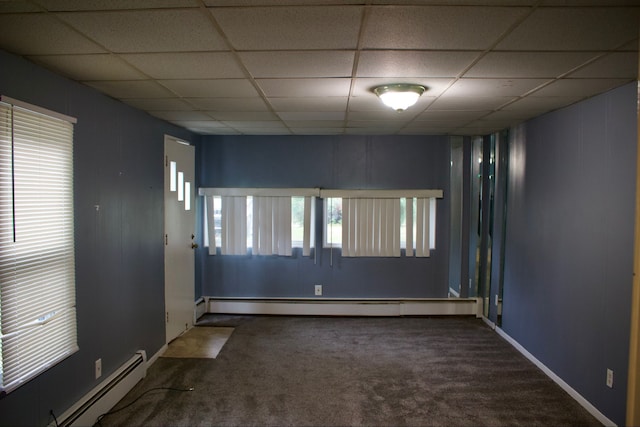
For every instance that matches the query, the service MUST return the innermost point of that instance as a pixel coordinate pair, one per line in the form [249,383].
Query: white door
[179,229]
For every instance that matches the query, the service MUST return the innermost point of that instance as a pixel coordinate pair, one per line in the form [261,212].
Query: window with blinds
[379,223]
[266,221]
[37,265]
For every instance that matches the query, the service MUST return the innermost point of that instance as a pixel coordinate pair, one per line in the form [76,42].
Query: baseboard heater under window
[107,394]
[346,306]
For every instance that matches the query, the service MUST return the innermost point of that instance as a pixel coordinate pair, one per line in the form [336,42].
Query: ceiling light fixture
[399,96]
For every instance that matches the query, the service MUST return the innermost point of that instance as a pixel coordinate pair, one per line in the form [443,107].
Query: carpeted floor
[312,371]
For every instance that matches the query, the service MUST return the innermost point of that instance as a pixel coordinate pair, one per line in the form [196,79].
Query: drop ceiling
[305,67]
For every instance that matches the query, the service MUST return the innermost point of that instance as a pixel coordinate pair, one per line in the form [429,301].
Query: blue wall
[118,153]
[569,247]
[328,162]
[569,241]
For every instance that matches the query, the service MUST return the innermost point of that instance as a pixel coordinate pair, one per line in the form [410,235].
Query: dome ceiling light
[399,96]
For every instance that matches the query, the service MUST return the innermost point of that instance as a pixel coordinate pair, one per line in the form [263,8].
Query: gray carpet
[331,371]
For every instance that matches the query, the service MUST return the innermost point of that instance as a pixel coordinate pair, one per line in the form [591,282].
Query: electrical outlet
[318,290]
[98,368]
[609,378]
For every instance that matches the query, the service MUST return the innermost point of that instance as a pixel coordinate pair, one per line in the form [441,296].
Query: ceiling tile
[579,87]
[413,63]
[372,103]
[493,87]
[540,104]
[317,131]
[181,115]
[305,87]
[72,5]
[8,6]
[577,28]
[437,27]
[565,3]
[460,2]
[229,3]
[428,130]
[363,87]
[243,115]
[387,114]
[251,104]
[299,64]
[261,124]
[286,116]
[286,28]
[426,124]
[365,129]
[159,104]
[186,65]
[263,131]
[375,124]
[310,104]
[469,103]
[90,67]
[461,116]
[148,31]
[315,124]
[617,64]
[42,34]
[201,124]
[527,64]
[511,115]
[131,89]
[236,88]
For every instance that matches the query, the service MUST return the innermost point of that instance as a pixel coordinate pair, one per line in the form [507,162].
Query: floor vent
[105,396]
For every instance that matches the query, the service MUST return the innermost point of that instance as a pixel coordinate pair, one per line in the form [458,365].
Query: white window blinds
[272,225]
[371,227]
[234,225]
[37,267]
[259,218]
[372,221]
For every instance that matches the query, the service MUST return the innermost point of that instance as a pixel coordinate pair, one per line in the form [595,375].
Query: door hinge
[166,240]
[166,161]
[167,317]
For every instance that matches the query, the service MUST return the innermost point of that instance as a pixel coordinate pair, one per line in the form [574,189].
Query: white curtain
[309,217]
[370,227]
[272,225]
[234,225]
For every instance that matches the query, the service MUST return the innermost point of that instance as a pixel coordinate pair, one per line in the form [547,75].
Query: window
[380,222]
[37,266]
[268,221]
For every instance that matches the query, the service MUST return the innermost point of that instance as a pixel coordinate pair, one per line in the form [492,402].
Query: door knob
[194,245]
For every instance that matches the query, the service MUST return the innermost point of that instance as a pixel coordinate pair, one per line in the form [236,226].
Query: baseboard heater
[346,307]
[103,397]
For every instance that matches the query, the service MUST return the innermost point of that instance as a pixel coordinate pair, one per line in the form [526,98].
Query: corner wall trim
[566,387]
[344,307]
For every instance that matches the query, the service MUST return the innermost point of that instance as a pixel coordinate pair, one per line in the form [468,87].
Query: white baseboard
[344,307]
[566,387]
[200,308]
[155,357]
[105,395]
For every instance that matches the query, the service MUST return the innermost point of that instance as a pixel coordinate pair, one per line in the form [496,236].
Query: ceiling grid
[308,67]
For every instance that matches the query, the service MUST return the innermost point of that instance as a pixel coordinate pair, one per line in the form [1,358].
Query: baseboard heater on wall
[103,397]
[346,307]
